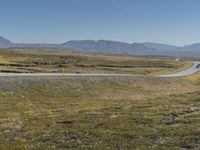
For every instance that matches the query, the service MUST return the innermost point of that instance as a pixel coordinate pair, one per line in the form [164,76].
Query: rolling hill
[160,46]
[115,47]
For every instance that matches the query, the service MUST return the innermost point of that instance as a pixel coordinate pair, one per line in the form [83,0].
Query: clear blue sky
[47,21]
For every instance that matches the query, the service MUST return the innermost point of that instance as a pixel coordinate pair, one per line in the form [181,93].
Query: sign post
[63,71]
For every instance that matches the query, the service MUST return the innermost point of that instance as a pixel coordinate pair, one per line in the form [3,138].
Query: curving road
[186,72]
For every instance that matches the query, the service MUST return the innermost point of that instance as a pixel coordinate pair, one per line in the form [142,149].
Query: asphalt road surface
[186,72]
[58,74]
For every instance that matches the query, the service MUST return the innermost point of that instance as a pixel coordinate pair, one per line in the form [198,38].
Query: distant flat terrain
[27,60]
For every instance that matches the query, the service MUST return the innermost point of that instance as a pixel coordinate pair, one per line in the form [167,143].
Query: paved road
[186,72]
[59,74]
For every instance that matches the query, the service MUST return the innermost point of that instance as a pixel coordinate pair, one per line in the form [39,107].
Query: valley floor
[57,61]
[91,112]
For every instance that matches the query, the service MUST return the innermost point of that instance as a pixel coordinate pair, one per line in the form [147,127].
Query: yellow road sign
[63,71]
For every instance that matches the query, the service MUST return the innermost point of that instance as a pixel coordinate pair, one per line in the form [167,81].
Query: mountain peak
[4,41]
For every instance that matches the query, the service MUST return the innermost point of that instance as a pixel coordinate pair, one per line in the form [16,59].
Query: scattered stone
[64,122]
[113,116]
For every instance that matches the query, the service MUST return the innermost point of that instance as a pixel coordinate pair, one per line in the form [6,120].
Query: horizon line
[163,43]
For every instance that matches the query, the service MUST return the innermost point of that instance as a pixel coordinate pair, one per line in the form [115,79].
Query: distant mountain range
[105,46]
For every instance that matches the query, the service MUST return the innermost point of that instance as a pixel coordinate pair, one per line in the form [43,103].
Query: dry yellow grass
[99,113]
[49,60]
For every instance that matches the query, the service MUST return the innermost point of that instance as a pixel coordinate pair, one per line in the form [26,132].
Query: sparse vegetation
[99,113]
[141,112]
[47,60]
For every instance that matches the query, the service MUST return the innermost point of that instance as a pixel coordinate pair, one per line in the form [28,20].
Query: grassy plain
[141,112]
[48,60]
